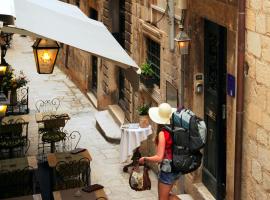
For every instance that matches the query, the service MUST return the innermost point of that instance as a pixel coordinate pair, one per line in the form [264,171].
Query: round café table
[131,137]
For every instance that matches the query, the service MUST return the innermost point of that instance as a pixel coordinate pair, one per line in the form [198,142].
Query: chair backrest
[53,122]
[13,129]
[73,174]
[47,105]
[17,182]
[71,141]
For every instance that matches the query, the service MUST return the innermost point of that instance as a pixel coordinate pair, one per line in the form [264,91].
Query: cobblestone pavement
[106,169]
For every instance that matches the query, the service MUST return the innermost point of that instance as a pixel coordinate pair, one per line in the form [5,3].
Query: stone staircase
[108,122]
[185,197]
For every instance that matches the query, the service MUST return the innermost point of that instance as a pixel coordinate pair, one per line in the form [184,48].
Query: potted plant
[147,74]
[143,115]
[12,82]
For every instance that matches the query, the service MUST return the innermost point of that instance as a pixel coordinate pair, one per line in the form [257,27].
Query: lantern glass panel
[183,47]
[46,59]
[45,52]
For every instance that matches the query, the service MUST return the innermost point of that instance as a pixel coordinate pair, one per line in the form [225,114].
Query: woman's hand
[141,160]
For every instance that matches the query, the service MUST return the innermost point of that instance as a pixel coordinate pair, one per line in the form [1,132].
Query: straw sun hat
[161,114]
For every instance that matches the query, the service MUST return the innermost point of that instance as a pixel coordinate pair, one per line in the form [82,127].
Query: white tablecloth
[131,138]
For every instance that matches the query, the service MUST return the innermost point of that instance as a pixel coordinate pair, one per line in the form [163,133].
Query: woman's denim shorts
[168,177]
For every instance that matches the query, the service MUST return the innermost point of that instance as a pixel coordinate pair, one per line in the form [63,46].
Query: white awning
[64,23]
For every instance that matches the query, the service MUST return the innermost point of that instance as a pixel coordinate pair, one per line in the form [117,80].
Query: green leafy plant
[11,81]
[143,109]
[147,69]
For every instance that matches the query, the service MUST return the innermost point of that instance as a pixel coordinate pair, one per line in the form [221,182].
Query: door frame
[216,183]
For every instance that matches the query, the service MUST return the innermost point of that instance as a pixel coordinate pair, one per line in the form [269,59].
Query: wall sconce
[183,41]
[45,53]
[182,37]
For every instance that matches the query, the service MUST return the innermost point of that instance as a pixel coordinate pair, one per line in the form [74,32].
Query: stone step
[117,113]
[185,197]
[108,127]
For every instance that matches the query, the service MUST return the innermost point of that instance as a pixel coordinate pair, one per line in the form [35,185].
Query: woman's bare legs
[164,192]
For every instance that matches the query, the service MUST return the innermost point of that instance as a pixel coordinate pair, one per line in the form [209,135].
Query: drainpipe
[171,22]
[239,99]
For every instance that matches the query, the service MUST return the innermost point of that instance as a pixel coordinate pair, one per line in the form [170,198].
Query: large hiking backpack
[183,160]
[189,136]
[197,129]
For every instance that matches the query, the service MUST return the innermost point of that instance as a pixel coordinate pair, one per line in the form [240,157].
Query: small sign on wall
[231,85]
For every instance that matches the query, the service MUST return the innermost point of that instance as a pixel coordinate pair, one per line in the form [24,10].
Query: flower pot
[144,121]
[148,81]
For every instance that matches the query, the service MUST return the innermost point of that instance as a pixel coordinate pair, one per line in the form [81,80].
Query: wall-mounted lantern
[183,41]
[45,52]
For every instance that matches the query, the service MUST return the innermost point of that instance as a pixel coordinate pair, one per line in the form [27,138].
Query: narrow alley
[106,168]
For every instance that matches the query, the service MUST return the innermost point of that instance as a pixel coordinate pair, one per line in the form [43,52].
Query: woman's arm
[160,150]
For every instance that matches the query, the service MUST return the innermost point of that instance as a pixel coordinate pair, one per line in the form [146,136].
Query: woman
[161,115]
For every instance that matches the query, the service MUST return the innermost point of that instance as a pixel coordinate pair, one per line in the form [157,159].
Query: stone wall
[144,16]
[256,162]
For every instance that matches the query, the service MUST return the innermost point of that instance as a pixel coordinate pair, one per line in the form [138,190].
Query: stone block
[266,121]
[267,22]
[252,65]
[263,73]
[250,20]
[261,23]
[255,4]
[268,102]
[266,181]
[266,48]
[266,6]
[254,43]
[260,194]
[251,129]
[252,149]
[256,171]
[263,157]
[262,136]
[254,113]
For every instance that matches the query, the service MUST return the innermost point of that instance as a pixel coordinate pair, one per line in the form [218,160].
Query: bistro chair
[47,105]
[19,104]
[51,133]
[14,140]
[17,182]
[72,174]
[71,141]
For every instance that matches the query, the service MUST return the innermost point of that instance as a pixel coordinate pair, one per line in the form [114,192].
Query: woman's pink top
[168,145]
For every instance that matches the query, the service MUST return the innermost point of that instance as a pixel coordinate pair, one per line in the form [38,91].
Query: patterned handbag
[139,178]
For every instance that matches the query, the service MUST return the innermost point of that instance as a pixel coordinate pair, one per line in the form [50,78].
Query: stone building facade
[256,164]
[144,29]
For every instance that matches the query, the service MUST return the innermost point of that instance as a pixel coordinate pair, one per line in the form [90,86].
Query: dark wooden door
[214,168]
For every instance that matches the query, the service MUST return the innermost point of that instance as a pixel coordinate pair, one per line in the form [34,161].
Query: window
[93,14]
[78,3]
[153,57]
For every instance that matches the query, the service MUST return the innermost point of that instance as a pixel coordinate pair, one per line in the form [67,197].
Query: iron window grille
[153,57]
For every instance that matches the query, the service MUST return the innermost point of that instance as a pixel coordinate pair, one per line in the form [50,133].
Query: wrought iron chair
[71,140]
[51,133]
[17,182]
[72,174]
[47,105]
[19,105]
[14,140]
